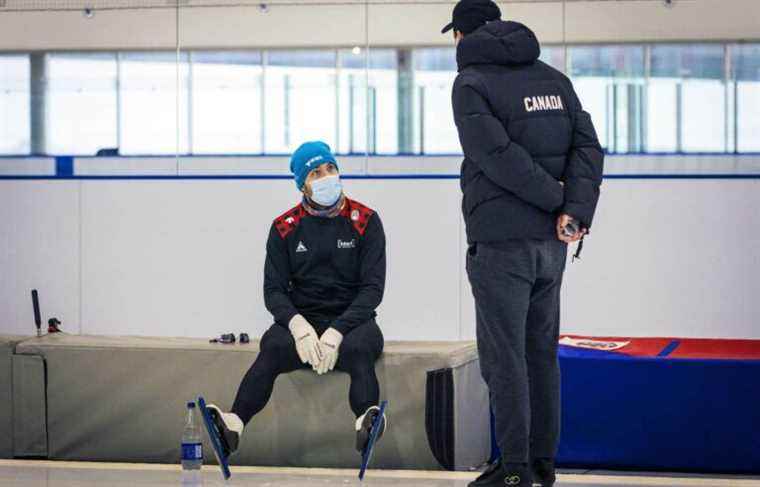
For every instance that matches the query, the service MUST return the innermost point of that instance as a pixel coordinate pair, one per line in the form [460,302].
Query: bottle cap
[191,405]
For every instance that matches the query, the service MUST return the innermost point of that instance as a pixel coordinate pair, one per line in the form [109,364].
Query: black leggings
[358,353]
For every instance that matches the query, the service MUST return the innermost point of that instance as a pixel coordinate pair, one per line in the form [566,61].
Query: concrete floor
[31,473]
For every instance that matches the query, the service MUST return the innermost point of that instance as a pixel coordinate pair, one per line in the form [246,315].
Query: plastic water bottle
[192,450]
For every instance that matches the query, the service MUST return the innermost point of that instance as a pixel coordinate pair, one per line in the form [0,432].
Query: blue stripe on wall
[61,176]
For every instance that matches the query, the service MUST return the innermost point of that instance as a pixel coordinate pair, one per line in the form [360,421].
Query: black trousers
[360,349]
[516,286]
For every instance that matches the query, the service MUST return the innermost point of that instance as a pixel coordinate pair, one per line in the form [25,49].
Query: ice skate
[224,431]
[369,428]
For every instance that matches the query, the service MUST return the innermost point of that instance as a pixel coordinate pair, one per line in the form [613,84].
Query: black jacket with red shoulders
[330,270]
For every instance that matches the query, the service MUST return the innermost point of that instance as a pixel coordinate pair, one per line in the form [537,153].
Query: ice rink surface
[32,473]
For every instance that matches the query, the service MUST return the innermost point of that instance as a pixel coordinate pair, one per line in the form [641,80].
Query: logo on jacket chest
[347,244]
[539,103]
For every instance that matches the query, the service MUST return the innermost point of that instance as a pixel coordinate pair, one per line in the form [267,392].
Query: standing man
[531,173]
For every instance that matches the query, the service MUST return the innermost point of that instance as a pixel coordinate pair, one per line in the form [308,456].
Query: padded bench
[7,347]
[123,399]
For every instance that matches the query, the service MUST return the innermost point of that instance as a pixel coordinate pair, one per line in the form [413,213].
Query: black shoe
[543,472]
[500,475]
[490,475]
[517,475]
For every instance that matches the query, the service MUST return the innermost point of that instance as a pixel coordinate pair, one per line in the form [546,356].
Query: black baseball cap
[468,15]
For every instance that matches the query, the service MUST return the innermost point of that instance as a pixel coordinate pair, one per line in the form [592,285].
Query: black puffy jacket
[522,130]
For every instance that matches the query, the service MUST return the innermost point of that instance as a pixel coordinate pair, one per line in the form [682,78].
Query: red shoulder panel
[358,214]
[288,221]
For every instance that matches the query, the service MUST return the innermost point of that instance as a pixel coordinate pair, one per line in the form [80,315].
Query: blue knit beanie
[308,157]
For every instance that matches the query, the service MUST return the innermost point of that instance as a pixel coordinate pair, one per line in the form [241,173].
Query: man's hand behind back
[562,222]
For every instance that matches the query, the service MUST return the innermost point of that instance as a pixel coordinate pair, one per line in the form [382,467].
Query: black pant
[360,349]
[516,285]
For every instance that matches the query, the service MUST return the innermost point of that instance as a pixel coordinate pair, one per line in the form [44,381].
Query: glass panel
[688,82]
[81,103]
[267,94]
[149,97]
[697,61]
[15,101]
[662,115]
[75,99]
[263,83]
[703,121]
[300,102]
[383,94]
[609,80]
[746,62]
[367,101]
[554,56]
[434,72]
[351,102]
[226,102]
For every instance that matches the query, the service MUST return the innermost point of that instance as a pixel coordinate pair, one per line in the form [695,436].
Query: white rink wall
[184,257]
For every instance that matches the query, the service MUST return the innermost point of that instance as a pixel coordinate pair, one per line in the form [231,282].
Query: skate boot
[224,430]
[364,427]
[229,426]
[370,426]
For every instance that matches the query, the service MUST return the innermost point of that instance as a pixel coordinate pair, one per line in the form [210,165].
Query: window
[746,91]
[15,116]
[658,98]
[80,105]
[226,103]
[662,115]
[686,109]
[554,56]
[149,101]
[368,101]
[382,91]
[300,99]
[435,70]
[609,83]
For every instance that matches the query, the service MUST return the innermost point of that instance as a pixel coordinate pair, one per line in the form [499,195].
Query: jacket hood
[499,42]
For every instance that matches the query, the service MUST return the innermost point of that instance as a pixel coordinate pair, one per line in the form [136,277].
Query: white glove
[307,342]
[330,341]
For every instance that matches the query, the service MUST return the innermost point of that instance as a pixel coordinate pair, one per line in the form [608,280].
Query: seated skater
[323,278]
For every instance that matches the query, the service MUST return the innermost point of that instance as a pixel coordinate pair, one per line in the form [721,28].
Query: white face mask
[327,190]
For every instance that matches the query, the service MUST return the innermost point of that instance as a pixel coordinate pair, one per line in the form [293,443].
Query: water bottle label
[192,451]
